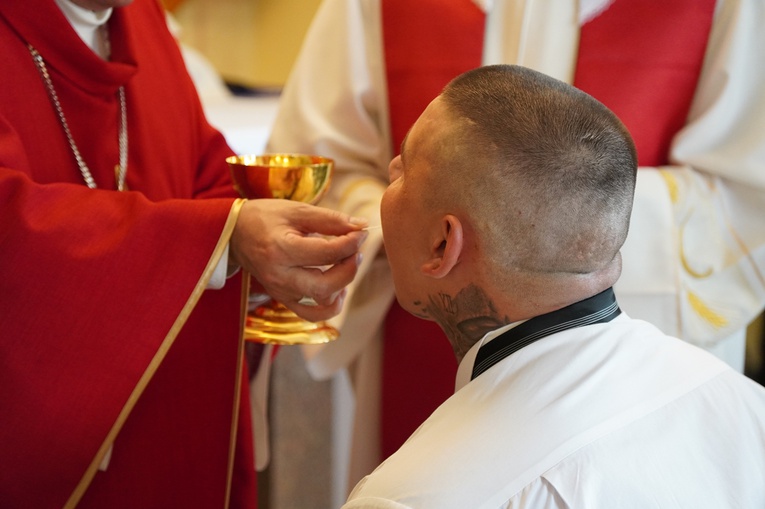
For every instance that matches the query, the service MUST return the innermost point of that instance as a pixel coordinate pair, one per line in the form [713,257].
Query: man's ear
[446,248]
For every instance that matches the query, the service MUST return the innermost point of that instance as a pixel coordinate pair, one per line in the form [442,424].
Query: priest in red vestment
[684,76]
[121,359]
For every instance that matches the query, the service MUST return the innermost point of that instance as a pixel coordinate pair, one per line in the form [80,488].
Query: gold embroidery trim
[672,187]
[238,388]
[716,320]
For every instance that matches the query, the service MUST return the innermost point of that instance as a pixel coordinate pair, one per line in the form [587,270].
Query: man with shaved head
[503,223]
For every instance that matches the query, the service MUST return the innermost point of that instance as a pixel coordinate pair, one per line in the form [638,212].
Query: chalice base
[274,324]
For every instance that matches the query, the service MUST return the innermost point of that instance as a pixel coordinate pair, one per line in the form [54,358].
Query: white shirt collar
[465,369]
[87,24]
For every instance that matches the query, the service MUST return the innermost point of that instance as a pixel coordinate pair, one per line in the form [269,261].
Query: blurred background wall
[252,43]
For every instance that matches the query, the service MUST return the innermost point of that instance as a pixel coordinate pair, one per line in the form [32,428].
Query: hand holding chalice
[295,177]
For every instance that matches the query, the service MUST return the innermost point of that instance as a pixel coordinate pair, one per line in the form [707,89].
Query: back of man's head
[547,171]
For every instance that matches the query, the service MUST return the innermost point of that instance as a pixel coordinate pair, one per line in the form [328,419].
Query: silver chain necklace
[120,171]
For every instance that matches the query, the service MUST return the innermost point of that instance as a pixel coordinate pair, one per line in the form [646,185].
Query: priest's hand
[296,250]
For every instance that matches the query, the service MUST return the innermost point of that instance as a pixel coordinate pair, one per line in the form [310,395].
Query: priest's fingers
[311,219]
[303,256]
[278,234]
[319,250]
[321,236]
[314,293]
[314,312]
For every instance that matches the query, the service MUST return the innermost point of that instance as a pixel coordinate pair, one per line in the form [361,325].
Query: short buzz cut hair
[547,171]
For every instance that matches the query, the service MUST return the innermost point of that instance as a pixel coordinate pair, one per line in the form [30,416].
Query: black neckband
[599,308]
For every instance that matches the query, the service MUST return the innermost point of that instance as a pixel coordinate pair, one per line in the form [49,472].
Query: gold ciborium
[297,177]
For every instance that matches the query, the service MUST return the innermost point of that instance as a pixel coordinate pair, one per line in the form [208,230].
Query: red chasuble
[107,339]
[642,65]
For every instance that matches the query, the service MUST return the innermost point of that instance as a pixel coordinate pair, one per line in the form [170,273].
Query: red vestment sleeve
[88,312]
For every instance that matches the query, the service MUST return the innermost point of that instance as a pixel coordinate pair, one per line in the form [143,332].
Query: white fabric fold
[540,34]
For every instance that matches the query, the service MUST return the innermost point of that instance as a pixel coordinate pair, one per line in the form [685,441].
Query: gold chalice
[297,177]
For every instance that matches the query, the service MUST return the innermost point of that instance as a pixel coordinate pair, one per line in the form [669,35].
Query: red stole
[642,66]
[645,67]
